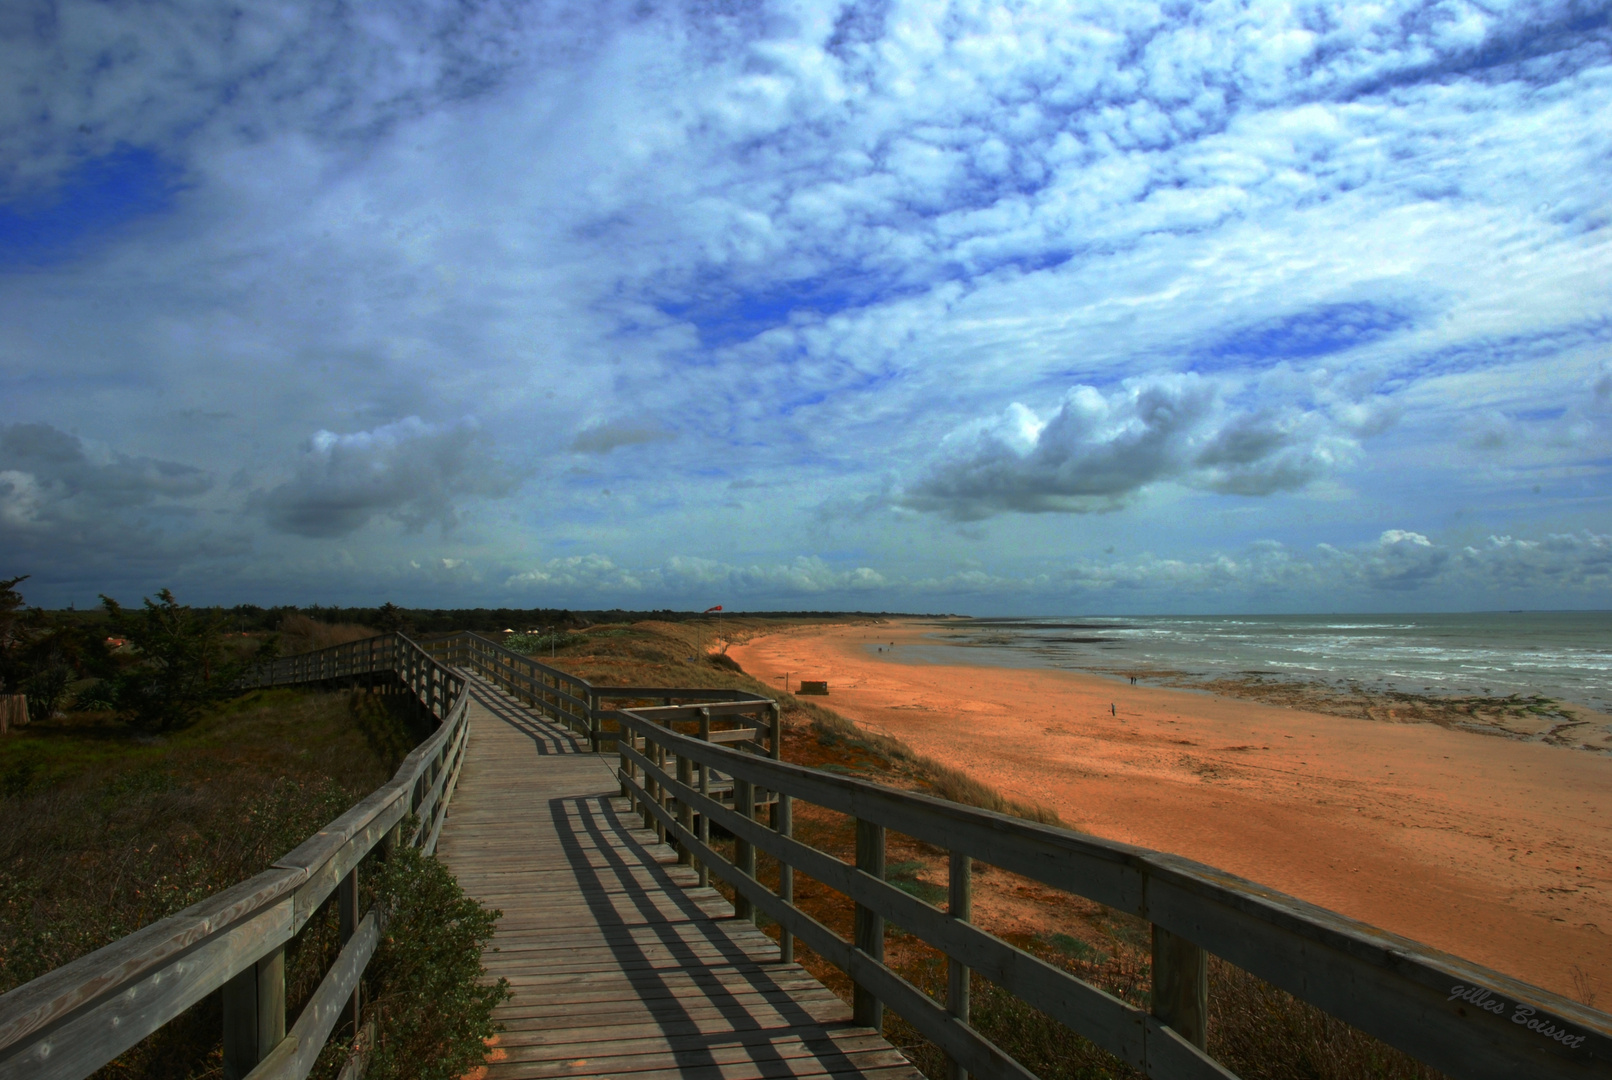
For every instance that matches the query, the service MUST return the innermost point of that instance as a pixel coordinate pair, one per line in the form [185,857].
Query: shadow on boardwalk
[621,966]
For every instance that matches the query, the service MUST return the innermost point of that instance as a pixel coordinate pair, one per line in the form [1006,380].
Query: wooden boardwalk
[621,966]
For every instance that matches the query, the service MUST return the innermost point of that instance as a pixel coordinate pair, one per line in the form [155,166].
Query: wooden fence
[13,711]
[71,1021]
[1466,1020]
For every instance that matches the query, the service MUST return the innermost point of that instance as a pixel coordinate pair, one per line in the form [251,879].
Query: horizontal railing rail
[69,1022]
[1471,1022]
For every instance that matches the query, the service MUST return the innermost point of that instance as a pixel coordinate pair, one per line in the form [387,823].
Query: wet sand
[1496,850]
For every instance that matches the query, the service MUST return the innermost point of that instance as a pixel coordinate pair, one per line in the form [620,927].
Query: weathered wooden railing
[71,1021]
[1466,1020]
[586,708]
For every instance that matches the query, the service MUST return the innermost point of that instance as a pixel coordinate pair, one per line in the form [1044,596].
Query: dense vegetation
[143,787]
[251,618]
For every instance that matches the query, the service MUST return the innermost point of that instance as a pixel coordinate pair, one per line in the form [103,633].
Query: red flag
[708,610]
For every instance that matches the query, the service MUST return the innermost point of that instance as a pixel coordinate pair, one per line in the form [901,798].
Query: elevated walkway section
[620,964]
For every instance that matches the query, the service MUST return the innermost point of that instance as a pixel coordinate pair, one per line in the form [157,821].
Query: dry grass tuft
[1262,1033]
[939,779]
[300,634]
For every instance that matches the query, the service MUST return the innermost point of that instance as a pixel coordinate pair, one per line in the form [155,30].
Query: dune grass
[300,634]
[104,830]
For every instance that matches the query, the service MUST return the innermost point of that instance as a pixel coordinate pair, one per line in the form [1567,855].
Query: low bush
[431,1008]
[541,645]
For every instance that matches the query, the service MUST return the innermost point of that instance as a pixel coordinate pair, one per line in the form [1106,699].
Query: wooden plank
[688,693]
[1402,992]
[1100,869]
[593,1024]
[657,1001]
[711,981]
[327,856]
[980,1056]
[802,1068]
[665,940]
[1107,1021]
[869,1049]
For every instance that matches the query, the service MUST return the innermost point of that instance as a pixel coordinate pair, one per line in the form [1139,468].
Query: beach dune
[1497,850]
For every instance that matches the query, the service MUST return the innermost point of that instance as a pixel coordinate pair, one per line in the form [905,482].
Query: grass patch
[540,645]
[904,876]
[103,831]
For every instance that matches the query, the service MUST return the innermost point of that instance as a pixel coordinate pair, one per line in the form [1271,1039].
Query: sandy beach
[1496,850]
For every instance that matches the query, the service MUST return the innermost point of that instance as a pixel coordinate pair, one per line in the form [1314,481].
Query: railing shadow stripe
[581,820]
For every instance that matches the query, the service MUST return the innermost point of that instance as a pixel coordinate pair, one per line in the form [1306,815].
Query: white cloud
[814,240]
[1401,568]
[683,576]
[21,499]
[411,471]
[1099,450]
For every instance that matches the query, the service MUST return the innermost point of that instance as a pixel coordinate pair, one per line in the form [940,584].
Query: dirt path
[1496,850]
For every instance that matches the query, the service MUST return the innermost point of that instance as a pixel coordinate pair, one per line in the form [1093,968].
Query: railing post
[1181,986]
[744,853]
[625,767]
[647,785]
[866,1009]
[776,716]
[595,728]
[254,1014]
[347,902]
[705,789]
[783,820]
[685,812]
[960,906]
[660,792]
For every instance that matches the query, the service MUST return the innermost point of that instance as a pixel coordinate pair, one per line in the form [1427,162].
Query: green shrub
[184,665]
[534,644]
[98,695]
[45,689]
[433,1012]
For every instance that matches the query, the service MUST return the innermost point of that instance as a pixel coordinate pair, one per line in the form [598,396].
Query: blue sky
[1031,307]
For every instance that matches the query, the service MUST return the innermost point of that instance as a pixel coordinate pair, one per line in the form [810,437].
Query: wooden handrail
[581,708]
[71,1021]
[1467,1020]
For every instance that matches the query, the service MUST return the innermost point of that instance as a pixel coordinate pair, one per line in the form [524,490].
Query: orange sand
[1495,850]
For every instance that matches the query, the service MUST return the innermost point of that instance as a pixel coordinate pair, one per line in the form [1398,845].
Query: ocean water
[1564,655]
